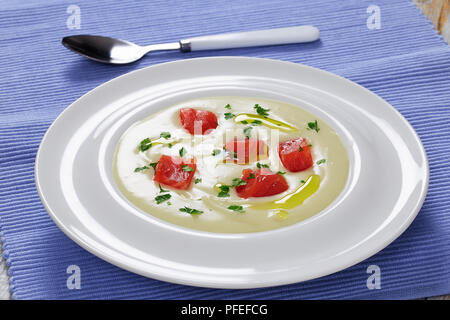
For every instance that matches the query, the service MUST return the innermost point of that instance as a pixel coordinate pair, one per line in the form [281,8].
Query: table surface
[438,11]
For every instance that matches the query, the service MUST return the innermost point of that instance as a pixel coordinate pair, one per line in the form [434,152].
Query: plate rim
[226,285]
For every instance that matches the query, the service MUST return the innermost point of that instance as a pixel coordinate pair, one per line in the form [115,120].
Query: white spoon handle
[252,38]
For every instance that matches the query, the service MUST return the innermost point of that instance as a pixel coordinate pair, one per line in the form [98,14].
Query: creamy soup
[214,190]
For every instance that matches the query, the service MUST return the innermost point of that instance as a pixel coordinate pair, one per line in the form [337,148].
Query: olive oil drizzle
[263,120]
[293,199]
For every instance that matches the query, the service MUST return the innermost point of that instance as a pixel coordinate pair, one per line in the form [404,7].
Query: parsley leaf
[198,180]
[228,115]
[251,176]
[313,126]
[321,161]
[261,111]
[190,211]
[302,181]
[259,165]
[162,198]
[223,194]
[228,106]
[238,182]
[165,135]
[182,151]
[281,172]
[161,190]
[141,169]
[224,191]
[215,152]
[153,165]
[145,144]
[236,208]
[186,168]
[300,149]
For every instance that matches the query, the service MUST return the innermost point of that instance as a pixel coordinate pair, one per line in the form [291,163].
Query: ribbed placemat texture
[404,61]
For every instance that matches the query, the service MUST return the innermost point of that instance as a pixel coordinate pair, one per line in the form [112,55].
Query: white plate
[386,187]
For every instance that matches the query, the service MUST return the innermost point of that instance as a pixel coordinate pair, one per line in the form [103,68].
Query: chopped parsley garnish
[261,111]
[300,149]
[228,106]
[259,165]
[215,152]
[145,144]
[161,190]
[165,135]
[281,172]
[313,126]
[182,151]
[247,132]
[161,198]
[238,182]
[223,194]
[252,123]
[228,115]
[302,181]
[321,161]
[186,168]
[190,211]
[141,168]
[310,145]
[251,176]
[170,145]
[198,180]
[224,191]
[153,165]
[236,208]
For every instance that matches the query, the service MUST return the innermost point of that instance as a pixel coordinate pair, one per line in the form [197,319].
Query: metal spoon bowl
[110,50]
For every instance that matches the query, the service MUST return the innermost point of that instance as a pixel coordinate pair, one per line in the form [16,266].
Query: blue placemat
[404,61]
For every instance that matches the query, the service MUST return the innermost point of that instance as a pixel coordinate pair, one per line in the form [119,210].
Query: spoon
[116,51]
